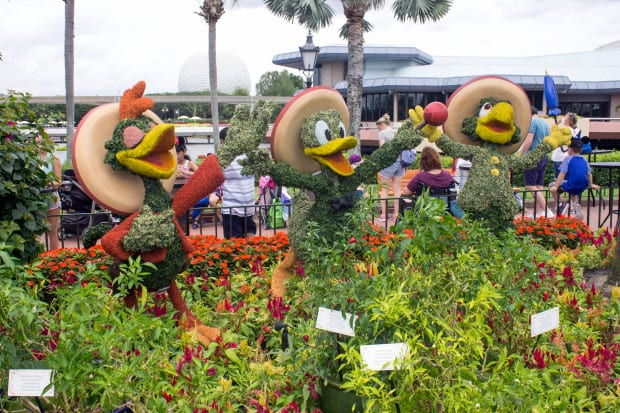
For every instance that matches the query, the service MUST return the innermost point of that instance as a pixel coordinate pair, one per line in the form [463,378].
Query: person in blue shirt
[535,177]
[574,178]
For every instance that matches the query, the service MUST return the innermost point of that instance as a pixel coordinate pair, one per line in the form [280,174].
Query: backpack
[407,158]
[275,214]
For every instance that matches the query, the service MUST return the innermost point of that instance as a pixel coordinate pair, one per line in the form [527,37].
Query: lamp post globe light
[309,53]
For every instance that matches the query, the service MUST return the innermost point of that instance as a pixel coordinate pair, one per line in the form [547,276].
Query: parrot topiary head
[138,145]
[493,122]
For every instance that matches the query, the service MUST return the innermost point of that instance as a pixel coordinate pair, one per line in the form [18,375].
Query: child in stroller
[79,211]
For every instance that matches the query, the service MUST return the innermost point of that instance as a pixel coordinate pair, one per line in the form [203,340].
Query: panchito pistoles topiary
[488,118]
[141,147]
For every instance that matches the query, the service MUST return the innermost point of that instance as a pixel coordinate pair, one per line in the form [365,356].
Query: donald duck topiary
[308,147]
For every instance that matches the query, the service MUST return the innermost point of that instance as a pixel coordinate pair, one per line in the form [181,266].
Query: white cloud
[121,41]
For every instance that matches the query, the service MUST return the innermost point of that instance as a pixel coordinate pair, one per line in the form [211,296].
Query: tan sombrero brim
[286,145]
[119,191]
[464,103]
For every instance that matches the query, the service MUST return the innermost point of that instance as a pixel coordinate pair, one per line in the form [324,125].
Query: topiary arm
[455,149]
[247,130]
[529,160]
[407,137]
[557,137]
[286,175]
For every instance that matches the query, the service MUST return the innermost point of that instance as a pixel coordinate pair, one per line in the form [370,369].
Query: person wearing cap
[574,178]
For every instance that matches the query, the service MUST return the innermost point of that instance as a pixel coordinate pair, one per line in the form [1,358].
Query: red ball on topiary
[435,113]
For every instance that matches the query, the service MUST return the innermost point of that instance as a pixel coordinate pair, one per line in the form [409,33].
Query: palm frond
[343,33]
[312,14]
[420,10]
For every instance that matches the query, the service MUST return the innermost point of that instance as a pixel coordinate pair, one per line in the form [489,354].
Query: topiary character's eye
[322,133]
[342,131]
[485,109]
[132,136]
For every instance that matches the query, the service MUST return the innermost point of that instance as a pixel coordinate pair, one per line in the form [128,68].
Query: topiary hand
[432,133]
[558,136]
[246,131]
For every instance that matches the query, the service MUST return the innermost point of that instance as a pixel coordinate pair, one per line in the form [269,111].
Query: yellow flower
[494,160]
[372,269]
[495,172]
[615,292]
[225,383]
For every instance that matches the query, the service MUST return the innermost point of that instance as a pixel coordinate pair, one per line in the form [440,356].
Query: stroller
[273,203]
[79,211]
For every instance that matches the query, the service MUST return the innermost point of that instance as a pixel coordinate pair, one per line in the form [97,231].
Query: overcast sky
[118,42]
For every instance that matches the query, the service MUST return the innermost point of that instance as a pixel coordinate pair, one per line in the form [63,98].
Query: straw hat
[464,103]
[286,145]
[118,191]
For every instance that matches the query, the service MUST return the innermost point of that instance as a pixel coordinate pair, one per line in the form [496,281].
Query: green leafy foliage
[460,297]
[22,179]
[282,83]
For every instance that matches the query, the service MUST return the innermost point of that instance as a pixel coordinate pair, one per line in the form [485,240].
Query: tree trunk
[69,72]
[355,74]
[215,115]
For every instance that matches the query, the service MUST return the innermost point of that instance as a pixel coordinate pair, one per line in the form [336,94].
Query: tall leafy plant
[22,180]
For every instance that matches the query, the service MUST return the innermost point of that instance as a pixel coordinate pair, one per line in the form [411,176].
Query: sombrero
[286,145]
[464,102]
[118,191]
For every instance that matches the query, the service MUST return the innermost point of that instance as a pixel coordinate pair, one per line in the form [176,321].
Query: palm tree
[212,11]
[316,14]
[69,75]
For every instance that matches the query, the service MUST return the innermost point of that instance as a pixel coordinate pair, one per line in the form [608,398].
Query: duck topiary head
[323,136]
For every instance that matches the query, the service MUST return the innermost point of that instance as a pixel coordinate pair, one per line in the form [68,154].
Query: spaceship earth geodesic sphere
[232,73]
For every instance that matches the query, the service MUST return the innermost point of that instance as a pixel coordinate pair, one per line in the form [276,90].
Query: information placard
[332,320]
[545,321]
[30,382]
[382,356]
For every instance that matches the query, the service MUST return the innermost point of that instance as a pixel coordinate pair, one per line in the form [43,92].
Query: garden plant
[458,295]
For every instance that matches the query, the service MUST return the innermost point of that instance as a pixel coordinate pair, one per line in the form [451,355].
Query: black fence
[600,209]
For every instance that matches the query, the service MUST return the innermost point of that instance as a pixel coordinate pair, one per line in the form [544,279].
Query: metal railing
[600,209]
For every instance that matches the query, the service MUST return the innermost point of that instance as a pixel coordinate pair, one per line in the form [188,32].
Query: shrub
[21,177]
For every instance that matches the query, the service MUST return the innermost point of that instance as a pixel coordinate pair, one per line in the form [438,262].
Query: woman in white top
[393,174]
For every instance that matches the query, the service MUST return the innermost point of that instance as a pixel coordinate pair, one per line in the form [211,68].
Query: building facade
[398,78]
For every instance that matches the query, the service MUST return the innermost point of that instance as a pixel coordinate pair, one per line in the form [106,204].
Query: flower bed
[460,297]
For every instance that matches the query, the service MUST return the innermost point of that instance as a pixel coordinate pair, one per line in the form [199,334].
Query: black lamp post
[309,53]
